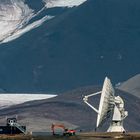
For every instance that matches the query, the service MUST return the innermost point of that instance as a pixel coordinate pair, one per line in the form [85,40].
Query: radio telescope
[109,106]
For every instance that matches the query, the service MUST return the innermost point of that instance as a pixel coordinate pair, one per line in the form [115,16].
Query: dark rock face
[79,47]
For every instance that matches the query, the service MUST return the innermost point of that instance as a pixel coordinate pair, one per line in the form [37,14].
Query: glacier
[7,100]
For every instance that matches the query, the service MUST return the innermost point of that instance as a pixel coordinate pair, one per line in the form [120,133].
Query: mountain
[132,86]
[68,108]
[77,47]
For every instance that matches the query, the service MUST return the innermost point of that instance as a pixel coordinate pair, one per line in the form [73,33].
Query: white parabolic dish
[106,102]
[110,106]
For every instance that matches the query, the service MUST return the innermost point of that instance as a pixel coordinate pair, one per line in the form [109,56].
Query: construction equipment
[66,132]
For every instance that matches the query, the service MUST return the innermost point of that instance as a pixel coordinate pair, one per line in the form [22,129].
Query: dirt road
[81,136]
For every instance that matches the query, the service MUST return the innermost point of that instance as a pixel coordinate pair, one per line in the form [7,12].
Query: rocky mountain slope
[132,86]
[78,47]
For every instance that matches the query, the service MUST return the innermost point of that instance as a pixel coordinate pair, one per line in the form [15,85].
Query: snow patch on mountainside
[7,100]
[27,29]
[14,18]
[63,3]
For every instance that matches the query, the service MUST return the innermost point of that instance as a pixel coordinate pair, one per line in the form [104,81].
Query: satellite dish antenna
[109,104]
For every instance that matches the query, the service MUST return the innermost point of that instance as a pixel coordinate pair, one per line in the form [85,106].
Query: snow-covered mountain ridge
[63,3]
[15,16]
